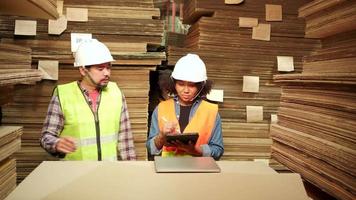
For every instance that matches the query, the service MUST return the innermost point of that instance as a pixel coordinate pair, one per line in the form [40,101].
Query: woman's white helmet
[190,68]
[92,52]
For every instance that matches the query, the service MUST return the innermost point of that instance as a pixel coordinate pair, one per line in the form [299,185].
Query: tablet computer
[183,138]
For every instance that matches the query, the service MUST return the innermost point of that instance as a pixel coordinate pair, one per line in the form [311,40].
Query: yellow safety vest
[202,122]
[96,139]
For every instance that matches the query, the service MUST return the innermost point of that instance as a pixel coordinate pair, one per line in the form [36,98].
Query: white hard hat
[92,52]
[190,68]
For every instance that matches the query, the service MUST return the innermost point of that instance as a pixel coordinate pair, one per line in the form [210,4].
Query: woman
[187,112]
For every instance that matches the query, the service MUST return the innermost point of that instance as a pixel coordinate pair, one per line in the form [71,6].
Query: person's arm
[153,139]
[215,147]
[52,127]
[126,145]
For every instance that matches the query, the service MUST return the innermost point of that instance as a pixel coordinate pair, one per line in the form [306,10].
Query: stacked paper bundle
[10,142]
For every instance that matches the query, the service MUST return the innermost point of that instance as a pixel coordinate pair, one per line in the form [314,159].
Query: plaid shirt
[54,125]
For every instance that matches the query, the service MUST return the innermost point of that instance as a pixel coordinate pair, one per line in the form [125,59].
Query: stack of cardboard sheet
[315,134]
[175,39]
[230,53]
[16,76]
[45,9]
[28,109]
[328,17]
[8,90]
[338,55]
[131,31]
[10,142]
[7,176]
[129,39]
[15,65]
[15,57]
[252,141]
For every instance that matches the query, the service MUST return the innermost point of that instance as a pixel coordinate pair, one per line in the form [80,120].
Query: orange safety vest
[202,122]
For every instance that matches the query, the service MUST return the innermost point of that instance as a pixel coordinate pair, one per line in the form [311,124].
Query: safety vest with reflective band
[202,122]
[96,139]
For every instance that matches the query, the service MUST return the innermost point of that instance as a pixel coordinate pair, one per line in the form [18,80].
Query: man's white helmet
[190,68]
[92,52]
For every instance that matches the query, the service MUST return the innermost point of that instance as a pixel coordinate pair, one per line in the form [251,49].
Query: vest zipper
[97,127]
[98,143]
[96,119]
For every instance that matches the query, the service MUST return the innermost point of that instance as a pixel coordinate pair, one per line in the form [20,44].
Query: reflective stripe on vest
[92,141]
[202,122]
[80,122]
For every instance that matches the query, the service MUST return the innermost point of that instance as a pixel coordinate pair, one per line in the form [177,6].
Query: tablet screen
[184,138]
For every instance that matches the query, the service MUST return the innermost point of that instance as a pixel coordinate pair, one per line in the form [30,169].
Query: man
[186,112]
[88,119]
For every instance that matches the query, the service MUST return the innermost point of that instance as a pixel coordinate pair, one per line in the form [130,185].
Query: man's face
[100,74]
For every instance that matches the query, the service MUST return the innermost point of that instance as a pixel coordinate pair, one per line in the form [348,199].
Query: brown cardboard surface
[273,12]
[137,180]
[43,9]
[111,183]
[248,22]
[262,32]
[263,161]
[41,182]
[245,167]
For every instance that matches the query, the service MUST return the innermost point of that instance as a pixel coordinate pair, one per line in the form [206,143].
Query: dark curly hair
[167,85]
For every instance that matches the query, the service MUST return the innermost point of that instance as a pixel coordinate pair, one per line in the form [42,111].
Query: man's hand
[66,145]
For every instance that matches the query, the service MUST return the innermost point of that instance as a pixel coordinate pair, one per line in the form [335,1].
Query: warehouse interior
[284,77]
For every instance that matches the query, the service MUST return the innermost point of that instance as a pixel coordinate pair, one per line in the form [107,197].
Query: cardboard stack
[8,90]
[10,142]
[230,54]
[132,32]
[45,9]
[334,16]
[315,134]
[15,68]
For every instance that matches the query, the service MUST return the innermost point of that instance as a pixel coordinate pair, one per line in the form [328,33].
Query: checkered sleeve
[126,142]
[52,127]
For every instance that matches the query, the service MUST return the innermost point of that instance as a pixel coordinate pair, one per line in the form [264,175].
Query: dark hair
[167,85]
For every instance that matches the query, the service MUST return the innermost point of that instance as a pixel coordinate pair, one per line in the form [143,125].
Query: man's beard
[101,87]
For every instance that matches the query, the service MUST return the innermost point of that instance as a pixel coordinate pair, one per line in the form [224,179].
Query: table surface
[138,180]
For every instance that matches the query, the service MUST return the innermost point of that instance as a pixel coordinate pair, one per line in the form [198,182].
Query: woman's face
[186,92]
